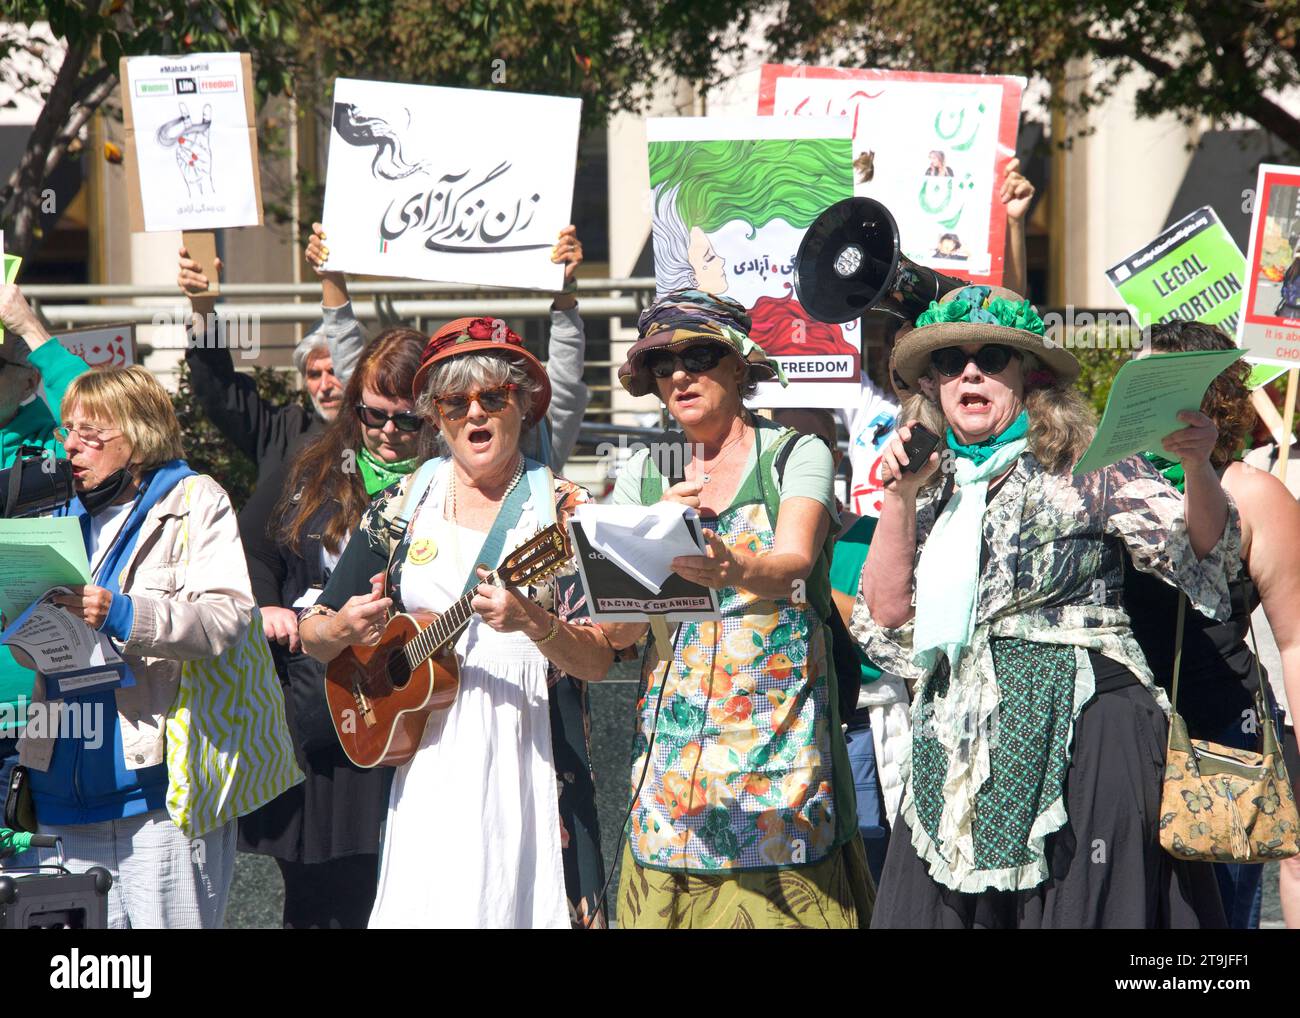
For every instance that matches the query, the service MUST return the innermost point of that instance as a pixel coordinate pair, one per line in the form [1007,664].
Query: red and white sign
[1269,327]
[935,147]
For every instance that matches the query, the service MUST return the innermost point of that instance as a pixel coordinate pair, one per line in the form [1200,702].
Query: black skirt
[339,810]
[1107,869]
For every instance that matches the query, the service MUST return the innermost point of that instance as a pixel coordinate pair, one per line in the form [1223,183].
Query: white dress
[473,833]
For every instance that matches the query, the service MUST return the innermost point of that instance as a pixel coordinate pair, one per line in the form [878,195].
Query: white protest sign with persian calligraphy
[102,345]
[450,184]
[933,148]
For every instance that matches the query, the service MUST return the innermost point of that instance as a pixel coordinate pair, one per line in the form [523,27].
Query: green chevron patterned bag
[228,745]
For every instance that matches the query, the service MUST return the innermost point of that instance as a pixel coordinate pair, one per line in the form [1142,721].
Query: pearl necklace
[519,472]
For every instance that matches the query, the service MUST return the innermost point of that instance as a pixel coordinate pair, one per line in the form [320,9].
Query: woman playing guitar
[476,836]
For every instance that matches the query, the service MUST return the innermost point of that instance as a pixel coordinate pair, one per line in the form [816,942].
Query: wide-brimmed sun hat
[683,318]
[976,314]
[483,335]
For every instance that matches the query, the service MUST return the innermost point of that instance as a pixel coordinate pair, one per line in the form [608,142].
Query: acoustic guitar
[380,697]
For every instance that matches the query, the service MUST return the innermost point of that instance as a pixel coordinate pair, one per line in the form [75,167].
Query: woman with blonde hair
[165,588]
[1032,785]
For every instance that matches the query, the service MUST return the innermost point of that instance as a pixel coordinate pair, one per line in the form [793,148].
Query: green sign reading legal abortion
[1193,271]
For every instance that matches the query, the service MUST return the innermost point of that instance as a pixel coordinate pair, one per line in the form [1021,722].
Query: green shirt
[846,573]
[34,424]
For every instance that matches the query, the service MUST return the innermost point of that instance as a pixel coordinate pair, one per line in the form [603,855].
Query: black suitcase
[55,901]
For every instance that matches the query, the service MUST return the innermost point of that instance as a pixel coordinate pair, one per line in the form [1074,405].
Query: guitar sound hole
[399,672]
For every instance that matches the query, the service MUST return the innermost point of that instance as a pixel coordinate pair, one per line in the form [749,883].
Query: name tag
[87,681]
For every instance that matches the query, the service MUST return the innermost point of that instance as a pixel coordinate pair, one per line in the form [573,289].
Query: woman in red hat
[476,835]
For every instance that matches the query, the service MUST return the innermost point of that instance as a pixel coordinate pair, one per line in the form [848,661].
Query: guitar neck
[444,630]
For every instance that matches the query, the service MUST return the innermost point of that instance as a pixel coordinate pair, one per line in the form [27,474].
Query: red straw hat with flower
[483,335]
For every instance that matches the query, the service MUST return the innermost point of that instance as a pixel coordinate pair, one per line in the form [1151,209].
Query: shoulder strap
[541,485]
[1178,651]
[507,516]
[782,458]
[652,482]
[771,472]
[398,518]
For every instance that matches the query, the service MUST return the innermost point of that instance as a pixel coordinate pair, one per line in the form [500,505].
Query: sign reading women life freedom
[931,147]
[731,198]
[450,184]
[191,141]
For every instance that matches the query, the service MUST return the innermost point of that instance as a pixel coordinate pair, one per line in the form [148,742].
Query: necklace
[519,472]
[727,450]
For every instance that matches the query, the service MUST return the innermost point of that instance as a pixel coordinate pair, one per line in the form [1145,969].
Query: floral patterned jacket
[1051,575]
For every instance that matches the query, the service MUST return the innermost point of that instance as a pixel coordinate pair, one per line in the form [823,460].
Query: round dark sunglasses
[694,359]
[991,359]
[403,420]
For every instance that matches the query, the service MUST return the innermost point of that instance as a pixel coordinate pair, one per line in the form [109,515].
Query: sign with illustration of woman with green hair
[731,200]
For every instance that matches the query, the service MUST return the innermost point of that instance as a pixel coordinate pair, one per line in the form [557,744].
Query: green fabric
[1028,758]
[34,424]
[378,474]
[846,573]
[978,452]
[948,572]
[973,304]
[1171,469]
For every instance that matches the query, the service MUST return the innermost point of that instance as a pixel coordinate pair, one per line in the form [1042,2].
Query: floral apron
[742,723]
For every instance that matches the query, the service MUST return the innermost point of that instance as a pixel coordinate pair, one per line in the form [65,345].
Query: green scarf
[378,475]
[1171,469]
[980,451]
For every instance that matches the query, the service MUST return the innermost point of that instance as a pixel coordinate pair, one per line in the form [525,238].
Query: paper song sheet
[1145,400]
[641,540]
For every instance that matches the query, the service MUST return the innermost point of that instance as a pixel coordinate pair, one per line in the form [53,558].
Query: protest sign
[1269,329]
[99,345]
[12,263]
[1193,272]
[451,184]
[932,147]
[191,140]
[1145,400]
[731,198]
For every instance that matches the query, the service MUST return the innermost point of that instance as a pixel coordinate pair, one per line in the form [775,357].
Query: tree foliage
[605,51]
[1202,57]
[96,34]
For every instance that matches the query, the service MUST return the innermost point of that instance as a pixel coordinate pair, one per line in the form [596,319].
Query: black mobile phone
[919,447]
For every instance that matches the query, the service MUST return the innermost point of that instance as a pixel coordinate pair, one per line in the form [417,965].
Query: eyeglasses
[694,359]
[93,437]
[991,359]
[492,401]
[403,420]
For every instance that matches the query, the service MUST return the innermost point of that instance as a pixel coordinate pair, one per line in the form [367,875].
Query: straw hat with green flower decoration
[978,314]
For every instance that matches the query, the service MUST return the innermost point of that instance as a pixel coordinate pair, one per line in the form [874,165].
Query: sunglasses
[493,401]
[403,420]
[991,359]
[694,359]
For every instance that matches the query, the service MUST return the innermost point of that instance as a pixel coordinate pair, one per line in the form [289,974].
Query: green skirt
[835,894]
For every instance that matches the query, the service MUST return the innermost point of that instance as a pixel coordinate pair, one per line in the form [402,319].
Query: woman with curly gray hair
[488,765]
[1033,780]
